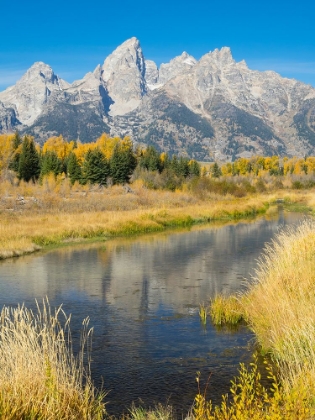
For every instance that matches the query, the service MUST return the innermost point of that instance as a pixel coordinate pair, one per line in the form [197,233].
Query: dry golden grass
[33,217]
[279,308]
[226,310]
[39,376]
[280,304]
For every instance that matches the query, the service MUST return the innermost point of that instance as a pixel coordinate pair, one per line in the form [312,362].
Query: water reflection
[142,296]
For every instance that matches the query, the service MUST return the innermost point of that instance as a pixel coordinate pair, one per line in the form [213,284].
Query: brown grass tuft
[39,376]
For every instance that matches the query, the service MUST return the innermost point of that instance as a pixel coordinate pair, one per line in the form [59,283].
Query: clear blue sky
[74,36]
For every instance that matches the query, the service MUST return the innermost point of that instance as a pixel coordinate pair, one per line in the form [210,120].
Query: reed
[159,412]
[203,312]
[40,378]
[226,310]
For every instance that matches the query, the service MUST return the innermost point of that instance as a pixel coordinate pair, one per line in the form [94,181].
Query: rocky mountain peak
[124,74]
[32,91]
[175,67]
[187,59]
[40,69]
[218,58]
[214,107]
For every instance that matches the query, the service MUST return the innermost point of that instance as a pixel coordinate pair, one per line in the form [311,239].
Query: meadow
[278,305]
[54,212]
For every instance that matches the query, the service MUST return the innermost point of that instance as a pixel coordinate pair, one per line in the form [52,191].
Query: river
[142,295]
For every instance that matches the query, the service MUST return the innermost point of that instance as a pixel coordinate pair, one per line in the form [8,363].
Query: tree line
[268,165]
[108,160]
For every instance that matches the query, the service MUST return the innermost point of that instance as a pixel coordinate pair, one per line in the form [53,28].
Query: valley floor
[33,219]
[279,308]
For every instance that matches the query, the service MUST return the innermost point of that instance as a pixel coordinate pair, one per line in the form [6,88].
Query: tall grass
[159,412]
[40,378]
[280,304]
[279,308]
[226,310]
[53,220]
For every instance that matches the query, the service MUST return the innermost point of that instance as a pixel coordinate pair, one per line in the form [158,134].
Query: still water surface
[142,296]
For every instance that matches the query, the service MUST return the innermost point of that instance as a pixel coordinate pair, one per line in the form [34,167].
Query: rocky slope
[214,108]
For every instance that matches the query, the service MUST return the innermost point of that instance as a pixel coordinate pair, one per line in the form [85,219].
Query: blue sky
[74,36]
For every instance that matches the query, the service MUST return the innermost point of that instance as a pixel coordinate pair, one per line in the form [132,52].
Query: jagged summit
[32,91]
[212,107]
[219,57]
[43,69]
[124,74]
[132,42]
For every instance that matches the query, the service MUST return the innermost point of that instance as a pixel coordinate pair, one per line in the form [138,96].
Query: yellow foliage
[227,169]
[6,150]
[107,144]
[163,156]
[81,150]
[251,400]
[58,145]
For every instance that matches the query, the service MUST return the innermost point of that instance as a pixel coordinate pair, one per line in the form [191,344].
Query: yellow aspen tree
[107,144]
[60,146]
[6,152]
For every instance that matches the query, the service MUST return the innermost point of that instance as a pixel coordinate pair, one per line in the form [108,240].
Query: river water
[142,296]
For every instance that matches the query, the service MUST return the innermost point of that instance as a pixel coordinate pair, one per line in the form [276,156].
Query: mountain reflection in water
[142,296]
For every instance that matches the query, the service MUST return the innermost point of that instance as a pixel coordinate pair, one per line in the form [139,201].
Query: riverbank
[31,227]
[279,308]
[29,223]
[298,202]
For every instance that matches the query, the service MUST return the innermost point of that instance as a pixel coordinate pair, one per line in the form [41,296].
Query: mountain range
[209,109]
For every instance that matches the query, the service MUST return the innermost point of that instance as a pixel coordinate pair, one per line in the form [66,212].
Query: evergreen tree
[150,160]
[216,171]
[73,168]
[29,165]
[173,164]
[51,163]
[95,167]
[183,167]
[122,164]
[194,168]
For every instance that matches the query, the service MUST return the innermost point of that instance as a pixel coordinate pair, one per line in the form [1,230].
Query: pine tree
[216,171]
[122,164]
[194,168]
[51,163]
[150,160]
[183,167]
[73,168]
[95,167]
[29,167]
[174,165]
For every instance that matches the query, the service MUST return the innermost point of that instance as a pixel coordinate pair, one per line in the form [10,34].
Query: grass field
[32,217]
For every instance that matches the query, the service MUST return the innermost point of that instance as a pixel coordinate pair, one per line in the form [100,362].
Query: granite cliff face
[214,108]
[124,74]
[8,119]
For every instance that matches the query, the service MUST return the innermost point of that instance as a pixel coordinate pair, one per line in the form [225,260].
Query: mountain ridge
[213,108]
